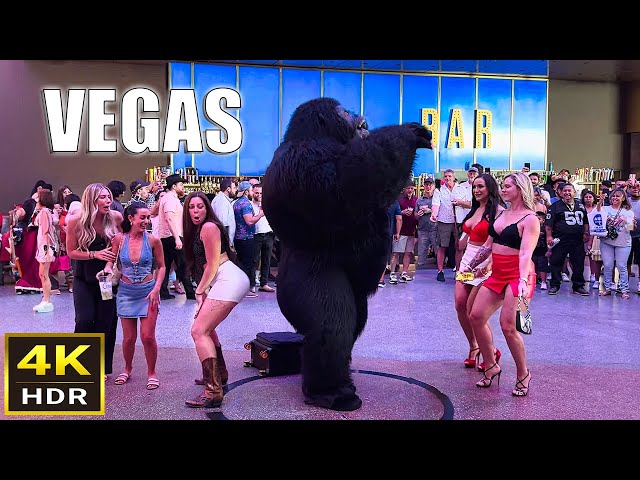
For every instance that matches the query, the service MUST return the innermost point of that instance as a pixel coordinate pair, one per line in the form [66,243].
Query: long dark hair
[131,209]
[61,194]
[493,200]
[191,231]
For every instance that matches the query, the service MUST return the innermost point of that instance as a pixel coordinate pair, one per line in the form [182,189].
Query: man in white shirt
[223,208]
[444,204]
[463,207]
[170,233]
[263,240]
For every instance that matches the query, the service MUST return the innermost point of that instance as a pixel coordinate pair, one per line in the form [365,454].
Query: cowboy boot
[212,395]
[224,374]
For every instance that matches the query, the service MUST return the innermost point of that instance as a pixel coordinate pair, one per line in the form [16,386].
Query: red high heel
[472,362]
[498,355]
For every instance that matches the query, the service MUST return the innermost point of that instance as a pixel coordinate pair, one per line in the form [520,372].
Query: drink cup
[106,287]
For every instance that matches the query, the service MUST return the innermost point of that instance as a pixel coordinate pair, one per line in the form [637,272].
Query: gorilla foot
[344,400]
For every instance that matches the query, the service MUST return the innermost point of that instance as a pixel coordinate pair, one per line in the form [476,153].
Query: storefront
[480,111]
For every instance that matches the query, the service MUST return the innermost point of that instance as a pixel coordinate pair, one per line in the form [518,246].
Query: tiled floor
[584,357]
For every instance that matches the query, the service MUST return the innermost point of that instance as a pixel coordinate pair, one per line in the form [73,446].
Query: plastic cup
[106,287]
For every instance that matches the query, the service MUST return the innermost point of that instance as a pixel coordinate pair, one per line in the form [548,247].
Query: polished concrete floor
[583,355]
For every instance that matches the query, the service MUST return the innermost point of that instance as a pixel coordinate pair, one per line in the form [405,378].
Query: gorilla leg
[319,302]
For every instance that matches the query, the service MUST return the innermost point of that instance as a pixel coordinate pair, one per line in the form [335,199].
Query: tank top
[509,236]
[479,233]
[136,271]
[199,255]
[88,269]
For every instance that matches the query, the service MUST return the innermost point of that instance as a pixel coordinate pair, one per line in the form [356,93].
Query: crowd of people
[131,250]
[502,240]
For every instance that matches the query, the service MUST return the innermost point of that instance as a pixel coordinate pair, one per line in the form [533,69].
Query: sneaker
[543,285]
[381,284]
[393,279]
[565,278]
[554,290]
[595,285]
[266,288]
[45,307]
[36,307]
[405,277]
[440,277]
[581,291]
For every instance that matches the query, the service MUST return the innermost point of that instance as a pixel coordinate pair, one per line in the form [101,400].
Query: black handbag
[523,318]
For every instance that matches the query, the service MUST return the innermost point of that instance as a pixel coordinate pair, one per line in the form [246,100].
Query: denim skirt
[131,300]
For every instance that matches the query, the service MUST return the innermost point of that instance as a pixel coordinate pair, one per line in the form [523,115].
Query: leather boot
[212,395]
[222,367]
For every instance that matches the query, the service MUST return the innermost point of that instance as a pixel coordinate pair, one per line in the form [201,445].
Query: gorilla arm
[376,169]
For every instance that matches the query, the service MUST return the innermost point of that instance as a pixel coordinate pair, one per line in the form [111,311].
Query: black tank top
[199,255]
[88,269]
[509,236]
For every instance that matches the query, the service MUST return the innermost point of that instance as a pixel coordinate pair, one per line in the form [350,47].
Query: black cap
[136,184]
[173,179]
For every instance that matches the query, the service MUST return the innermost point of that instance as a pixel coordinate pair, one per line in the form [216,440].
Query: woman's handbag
[523,318]
[612,231]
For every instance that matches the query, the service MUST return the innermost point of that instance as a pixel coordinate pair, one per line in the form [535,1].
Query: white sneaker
[595,285]
[405,277]
[543,285]
[45,307]
[393,279]
[36,307]
[565,278]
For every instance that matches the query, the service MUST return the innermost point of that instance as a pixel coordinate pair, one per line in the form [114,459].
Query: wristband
[91,255]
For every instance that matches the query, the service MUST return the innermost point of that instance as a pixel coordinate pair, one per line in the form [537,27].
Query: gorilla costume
[326,194]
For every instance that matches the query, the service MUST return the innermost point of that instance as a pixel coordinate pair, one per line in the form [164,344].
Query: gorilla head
[325,117]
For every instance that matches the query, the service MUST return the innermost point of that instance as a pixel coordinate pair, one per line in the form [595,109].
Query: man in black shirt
[567,221]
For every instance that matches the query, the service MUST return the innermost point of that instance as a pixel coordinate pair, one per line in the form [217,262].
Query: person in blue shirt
[395,224]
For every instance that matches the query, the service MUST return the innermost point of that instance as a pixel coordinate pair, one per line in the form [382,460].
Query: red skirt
[505,270]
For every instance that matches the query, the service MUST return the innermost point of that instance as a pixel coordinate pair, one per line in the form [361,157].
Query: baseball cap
[136,184]
[244,185]
[473,169]
[429,179]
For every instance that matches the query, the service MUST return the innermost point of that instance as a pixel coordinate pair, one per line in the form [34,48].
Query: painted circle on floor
[281,398]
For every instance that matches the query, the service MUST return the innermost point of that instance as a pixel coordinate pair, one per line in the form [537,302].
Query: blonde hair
[523,182]
[84,229]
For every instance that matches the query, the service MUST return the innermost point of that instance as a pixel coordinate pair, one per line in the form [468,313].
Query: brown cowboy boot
[222,367]
[213,394]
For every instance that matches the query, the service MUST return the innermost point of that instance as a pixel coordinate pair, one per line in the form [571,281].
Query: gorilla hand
[423,136]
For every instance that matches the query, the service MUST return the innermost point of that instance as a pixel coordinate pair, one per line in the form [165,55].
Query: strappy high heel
[483,383]
[521,390]
[497,356]
[472,362]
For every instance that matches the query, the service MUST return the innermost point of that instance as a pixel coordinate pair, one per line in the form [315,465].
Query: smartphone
[527,165]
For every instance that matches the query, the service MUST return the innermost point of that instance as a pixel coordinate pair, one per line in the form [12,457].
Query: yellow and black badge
[54,374]
[465,276]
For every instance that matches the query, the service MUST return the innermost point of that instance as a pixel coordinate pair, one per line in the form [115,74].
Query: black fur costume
[326,194]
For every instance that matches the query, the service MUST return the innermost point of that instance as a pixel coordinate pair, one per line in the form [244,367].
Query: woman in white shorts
[221,286]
